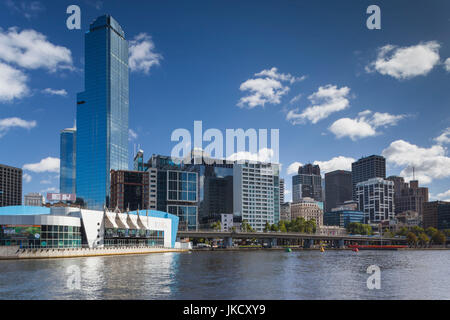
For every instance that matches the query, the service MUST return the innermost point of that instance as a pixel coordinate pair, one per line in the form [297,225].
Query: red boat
[377,247]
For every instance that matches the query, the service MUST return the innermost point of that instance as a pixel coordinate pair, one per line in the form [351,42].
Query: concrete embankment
[14,252]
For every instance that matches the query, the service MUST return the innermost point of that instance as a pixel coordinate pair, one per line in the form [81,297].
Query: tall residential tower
[102,112]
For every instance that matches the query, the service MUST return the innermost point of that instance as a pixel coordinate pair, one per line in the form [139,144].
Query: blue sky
[214,61]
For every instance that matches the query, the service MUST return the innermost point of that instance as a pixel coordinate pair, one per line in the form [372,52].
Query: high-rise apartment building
[10,186]
[408,196]
[376,199]
[102,112]
[68,156]
[367,168]
[307,183]
[285,211]
[338,188]
[281,191]
[34,199]
[256,193]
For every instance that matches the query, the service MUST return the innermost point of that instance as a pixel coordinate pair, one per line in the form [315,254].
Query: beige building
[308,209]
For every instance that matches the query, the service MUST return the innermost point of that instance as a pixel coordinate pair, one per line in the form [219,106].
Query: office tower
[308,209]
[102,112]
[10,186]
[408,196]
[139,161]
[367,168]
[34,199]
[67,156]
[338,188]
[342,218]
[307,183]
[436,215]
[376,199]
[177,190]
[256,193]
[285,211]
[130,190]
[281,191]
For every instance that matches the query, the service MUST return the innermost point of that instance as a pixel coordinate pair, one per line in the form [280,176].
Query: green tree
[423,239]
[359,228]
[403,232]
[282,226]
[438,238]
[411,238]
[245,226]
[217,226]
[274,227]
[267,227]
[430,231]
[417,230]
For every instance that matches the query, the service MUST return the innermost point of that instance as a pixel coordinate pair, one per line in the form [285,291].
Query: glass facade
[40,236]
[186,214]
[67,169]
[342,218]
[117,237]
[102,112]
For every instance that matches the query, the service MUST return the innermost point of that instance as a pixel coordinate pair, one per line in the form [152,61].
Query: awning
[132,222]
[142,223]
[110,222]
[121,221]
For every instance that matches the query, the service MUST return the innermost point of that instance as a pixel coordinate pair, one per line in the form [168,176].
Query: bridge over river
[291,238]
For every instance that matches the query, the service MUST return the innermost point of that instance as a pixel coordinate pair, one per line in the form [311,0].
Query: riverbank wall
[14,252]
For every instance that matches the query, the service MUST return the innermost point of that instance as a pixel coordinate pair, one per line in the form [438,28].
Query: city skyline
[319,101]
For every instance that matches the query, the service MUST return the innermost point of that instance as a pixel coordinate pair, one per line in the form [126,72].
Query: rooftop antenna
[414,174]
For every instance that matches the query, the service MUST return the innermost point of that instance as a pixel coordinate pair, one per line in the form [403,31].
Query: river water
[260,274]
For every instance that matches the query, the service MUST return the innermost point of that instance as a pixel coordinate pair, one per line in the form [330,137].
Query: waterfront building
[443,216]
[72,227]
[331,230]
[34,199]
[130,190]
[367,168]
[281,190]
[436,214]
[308,209]
[285,212]
[177,190]
[102,112]
[256,193]
[376,199]
[10,186]
[307,183]
[408,196]
[342,218]
[338,188]
[408,219]
[67,156]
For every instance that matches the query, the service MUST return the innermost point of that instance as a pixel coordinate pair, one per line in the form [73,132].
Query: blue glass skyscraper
[67,156]
[102,112]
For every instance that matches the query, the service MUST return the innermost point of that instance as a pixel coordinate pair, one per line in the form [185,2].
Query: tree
[417,230]
[411,238]
[439,238]
[403,231]
[217,226]
[282,226]
[359,228]
[423,239]
[274,227]
[245,226]
[430,231]
[267,227]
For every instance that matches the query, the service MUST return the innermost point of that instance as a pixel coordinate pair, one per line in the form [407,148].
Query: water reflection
[232,275]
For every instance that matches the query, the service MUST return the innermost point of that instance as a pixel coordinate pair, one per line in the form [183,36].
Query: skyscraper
[408,196]
[307,183]
[102,112]
[338,188]
[376,199]
[67,156]
[367,168]
[10,186]
[281,191]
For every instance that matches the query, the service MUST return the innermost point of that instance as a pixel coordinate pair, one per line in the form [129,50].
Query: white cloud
[336,163]
[55,92]
[263,155]
[48,164]
[273,74]
[30,49]
[447,64]
[50,190]
[142,55]
[26,177]
[293,167]
[444,196]
[428,163]
[444,138]
[364,125]
[132,135]
[8,123]
[406,62]
[327,100]
[267,87]
[13,83]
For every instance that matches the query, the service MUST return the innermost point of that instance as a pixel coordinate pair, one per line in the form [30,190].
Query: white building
[34,199]
[376,199]
[256,193]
